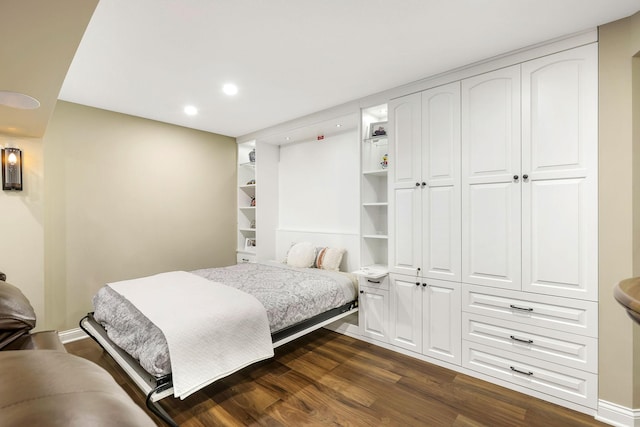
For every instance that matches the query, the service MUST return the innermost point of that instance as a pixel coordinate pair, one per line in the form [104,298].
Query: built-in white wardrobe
[477,216]
[493,224]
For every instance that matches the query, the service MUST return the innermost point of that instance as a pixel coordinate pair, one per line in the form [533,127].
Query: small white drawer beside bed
[245,257]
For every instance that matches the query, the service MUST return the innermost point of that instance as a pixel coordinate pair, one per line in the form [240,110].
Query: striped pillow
[328,258]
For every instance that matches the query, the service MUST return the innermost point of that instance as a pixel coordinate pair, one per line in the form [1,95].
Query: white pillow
[329,258]
[301,254]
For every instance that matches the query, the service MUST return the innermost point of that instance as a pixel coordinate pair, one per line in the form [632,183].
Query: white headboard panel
[350,242]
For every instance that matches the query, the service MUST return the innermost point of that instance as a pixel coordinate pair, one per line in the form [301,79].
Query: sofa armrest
[16,314]
[44,340]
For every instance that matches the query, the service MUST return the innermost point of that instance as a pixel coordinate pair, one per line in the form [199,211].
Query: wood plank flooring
[328,379]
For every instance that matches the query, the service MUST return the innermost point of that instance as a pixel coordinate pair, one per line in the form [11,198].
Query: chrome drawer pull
[373,281]
[521,340]
[515,307]
[521,372]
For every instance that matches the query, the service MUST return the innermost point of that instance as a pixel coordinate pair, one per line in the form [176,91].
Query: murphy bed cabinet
[493,225]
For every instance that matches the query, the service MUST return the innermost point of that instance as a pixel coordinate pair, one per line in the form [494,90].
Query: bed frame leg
[157,409]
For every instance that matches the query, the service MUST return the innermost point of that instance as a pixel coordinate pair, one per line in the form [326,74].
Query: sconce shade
[11,169]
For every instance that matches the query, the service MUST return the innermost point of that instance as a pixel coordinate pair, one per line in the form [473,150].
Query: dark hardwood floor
[328,379]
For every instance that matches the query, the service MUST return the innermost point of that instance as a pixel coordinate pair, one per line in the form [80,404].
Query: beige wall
[128,197]
[21,238]
[619,354]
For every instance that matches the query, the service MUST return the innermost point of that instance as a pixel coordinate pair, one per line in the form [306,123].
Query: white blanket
[212,330]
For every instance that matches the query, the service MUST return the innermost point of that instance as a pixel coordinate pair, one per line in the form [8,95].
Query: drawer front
[572,350]
[381,283]
[244,257]
[574,316]
[565,383]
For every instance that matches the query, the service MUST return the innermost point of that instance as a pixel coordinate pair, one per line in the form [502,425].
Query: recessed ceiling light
[338,125]
[230,89]
[190,110]
[18,100]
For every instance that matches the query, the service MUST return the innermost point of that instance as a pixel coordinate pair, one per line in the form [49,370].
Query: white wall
[319,184]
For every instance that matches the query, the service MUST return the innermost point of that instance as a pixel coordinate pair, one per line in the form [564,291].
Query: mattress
[290,295]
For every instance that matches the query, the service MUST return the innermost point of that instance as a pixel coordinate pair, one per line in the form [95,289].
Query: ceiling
[38,39]
[290,58]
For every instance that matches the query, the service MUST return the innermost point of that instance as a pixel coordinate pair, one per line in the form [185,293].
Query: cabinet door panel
[491,124]
[491,235]
[442,324]
[557,235]
[491,179]
[441,233]
[406,234]
[374,313]
[405,313]
[441,135]
[559,114]
[559,198]
[441,172]
[405,128]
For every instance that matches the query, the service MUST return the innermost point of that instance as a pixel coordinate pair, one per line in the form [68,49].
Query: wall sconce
[11,169]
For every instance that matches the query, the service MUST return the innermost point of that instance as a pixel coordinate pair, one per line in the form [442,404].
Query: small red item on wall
[320,137]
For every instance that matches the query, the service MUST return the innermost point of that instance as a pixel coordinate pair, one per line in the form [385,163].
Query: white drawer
[569,315]
[573,350]
[245,257]
[379,283]
[573,385]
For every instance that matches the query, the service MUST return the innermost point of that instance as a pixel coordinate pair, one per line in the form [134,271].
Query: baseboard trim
[72,335]
[617,415]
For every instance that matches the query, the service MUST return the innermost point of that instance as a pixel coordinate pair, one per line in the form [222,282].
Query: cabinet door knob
[424,184]
[515,177]
[417,283]
[525,176]
[362,292]
[424,285]
[417,184]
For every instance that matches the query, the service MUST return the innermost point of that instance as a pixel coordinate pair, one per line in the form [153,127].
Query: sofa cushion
[16,314]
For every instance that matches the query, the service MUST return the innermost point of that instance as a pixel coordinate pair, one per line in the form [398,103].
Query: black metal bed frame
[159,387]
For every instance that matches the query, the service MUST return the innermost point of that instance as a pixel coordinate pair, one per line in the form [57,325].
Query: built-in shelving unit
[247,226]
[374,203]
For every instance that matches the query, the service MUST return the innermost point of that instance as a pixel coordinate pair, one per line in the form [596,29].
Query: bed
[292,298]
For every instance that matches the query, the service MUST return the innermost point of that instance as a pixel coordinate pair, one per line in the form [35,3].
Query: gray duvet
[289,295]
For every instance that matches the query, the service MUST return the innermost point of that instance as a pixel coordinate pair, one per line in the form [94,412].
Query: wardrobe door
[441,314]
[559,193]
[374,313]
[441,177]
[491,179]
[405,323]
[405,234]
